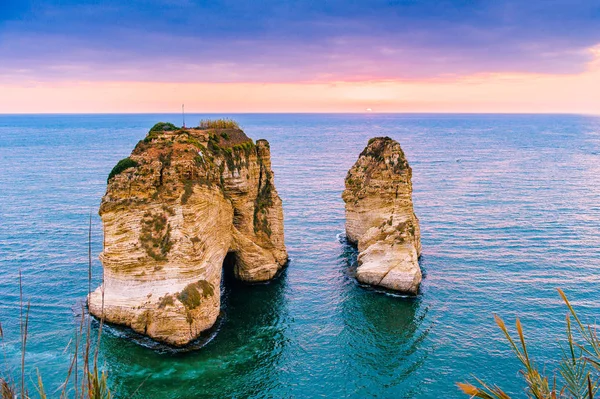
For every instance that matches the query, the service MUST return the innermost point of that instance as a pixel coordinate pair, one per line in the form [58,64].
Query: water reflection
[245,352]
[384,334]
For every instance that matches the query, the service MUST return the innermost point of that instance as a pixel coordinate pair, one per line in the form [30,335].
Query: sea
[509,208]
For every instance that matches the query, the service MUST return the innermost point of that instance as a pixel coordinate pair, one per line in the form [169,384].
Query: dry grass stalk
[579,368]
[89,382]
[222,123]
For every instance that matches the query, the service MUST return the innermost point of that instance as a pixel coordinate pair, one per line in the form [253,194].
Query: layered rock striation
[173,211]
[380,218]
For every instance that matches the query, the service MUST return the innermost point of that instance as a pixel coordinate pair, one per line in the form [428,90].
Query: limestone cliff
[183,201]
[380,217]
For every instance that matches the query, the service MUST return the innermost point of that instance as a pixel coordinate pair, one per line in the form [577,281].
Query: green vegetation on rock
[163,127]
[375,149]
[194,141]
[123,164]
[247,148]
[165,301]
[264,200]
[188,190]
[236,156]
[191,296]
[206,287]
[213,144]
[158,128]
[156,236]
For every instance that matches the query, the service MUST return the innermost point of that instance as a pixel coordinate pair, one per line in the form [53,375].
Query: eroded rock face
[380,218]
[172,212]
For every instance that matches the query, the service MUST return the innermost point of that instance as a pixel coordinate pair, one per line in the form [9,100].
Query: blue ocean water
[509,207]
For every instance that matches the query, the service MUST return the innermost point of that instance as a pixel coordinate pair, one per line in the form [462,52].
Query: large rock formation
[380,217]
[173,211]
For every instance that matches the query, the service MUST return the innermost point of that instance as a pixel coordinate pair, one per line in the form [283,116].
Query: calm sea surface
[509,208]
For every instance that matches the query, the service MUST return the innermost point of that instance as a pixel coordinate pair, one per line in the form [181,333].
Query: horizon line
[308,113]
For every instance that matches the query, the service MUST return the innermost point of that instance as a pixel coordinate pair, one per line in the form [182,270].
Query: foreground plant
[84,379]
[579,367]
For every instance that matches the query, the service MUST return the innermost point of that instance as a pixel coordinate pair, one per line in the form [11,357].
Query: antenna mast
[183,113]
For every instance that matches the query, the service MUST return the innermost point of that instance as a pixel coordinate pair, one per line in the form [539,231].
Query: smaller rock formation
[380,218]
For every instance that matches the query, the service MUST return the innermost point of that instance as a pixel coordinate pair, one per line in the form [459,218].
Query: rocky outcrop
[380,218]
[173,211]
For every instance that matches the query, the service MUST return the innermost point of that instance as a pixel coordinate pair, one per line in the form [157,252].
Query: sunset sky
[300,56]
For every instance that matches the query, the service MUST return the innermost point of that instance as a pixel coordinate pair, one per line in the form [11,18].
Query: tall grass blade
[40,386]
[577,381]
[88,381]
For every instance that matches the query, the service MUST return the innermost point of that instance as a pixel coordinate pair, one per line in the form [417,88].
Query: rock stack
[183,202]
[380,218]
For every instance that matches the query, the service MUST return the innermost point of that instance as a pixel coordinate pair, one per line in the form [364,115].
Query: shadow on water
[385,335]
[245,351]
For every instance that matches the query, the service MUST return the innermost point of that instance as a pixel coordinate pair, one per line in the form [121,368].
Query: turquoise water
[509,208]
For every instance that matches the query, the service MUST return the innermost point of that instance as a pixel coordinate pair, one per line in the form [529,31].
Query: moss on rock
[191,296]
[156,236]
[121,166]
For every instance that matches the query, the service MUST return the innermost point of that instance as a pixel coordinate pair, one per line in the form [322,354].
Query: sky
[300,56]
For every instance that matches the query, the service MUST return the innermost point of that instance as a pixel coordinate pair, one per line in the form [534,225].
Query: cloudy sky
[300,56]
